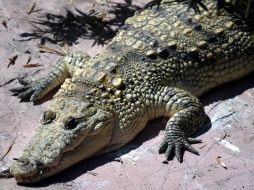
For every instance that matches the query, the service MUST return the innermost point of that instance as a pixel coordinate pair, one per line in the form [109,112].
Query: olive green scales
[160,61]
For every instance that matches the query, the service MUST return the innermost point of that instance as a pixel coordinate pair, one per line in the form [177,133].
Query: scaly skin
[157,65]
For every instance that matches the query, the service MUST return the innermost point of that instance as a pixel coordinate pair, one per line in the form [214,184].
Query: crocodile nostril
[22,161]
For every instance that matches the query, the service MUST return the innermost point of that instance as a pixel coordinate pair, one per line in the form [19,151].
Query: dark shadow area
[60,29]
[228,90]
[47,97]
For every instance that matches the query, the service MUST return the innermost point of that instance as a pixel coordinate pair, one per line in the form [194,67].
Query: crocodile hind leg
[65,68]
[186,117]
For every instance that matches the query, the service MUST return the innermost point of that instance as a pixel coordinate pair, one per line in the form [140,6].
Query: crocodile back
[167,45]
[187,50]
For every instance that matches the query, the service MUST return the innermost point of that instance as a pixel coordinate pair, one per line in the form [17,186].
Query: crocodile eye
[48,117]
[71,123]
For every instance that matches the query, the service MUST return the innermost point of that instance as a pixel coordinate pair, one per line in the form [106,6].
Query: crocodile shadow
[228,90]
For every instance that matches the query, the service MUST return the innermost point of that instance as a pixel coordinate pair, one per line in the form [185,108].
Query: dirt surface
[66,26]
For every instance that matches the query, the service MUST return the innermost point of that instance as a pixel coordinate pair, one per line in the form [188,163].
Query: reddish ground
[230,108]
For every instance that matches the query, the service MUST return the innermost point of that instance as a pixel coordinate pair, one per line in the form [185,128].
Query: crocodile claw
[177,146]
[25,80]
[30,89]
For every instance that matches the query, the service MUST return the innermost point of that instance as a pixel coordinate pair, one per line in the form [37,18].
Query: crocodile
[241,6]
[157,65]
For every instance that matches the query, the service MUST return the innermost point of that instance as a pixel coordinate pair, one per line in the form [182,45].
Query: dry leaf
[129,161]
[223,137]
[31,8]
[203,146]
[28,60]
[119,160]
[9,149]
[45,49]
[249,95]
[12,60]
[221,162]
[32,65]
[125,161]
[92,173]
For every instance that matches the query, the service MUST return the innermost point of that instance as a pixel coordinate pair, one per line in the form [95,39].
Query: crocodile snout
[24,169]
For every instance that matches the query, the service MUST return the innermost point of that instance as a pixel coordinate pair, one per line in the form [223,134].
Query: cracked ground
[35,34]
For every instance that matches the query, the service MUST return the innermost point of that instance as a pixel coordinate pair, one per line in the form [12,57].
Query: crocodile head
[70,131]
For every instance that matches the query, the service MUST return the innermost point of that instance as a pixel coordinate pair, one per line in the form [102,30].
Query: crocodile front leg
[65,68]
[186,116]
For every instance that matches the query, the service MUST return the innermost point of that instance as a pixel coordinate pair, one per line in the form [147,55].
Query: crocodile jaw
[61,141]
[92,145]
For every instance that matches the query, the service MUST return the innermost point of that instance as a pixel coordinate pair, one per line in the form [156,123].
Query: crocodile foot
[30,90]
[176,145]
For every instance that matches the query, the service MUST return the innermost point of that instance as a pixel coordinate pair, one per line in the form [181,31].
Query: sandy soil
[57,23]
